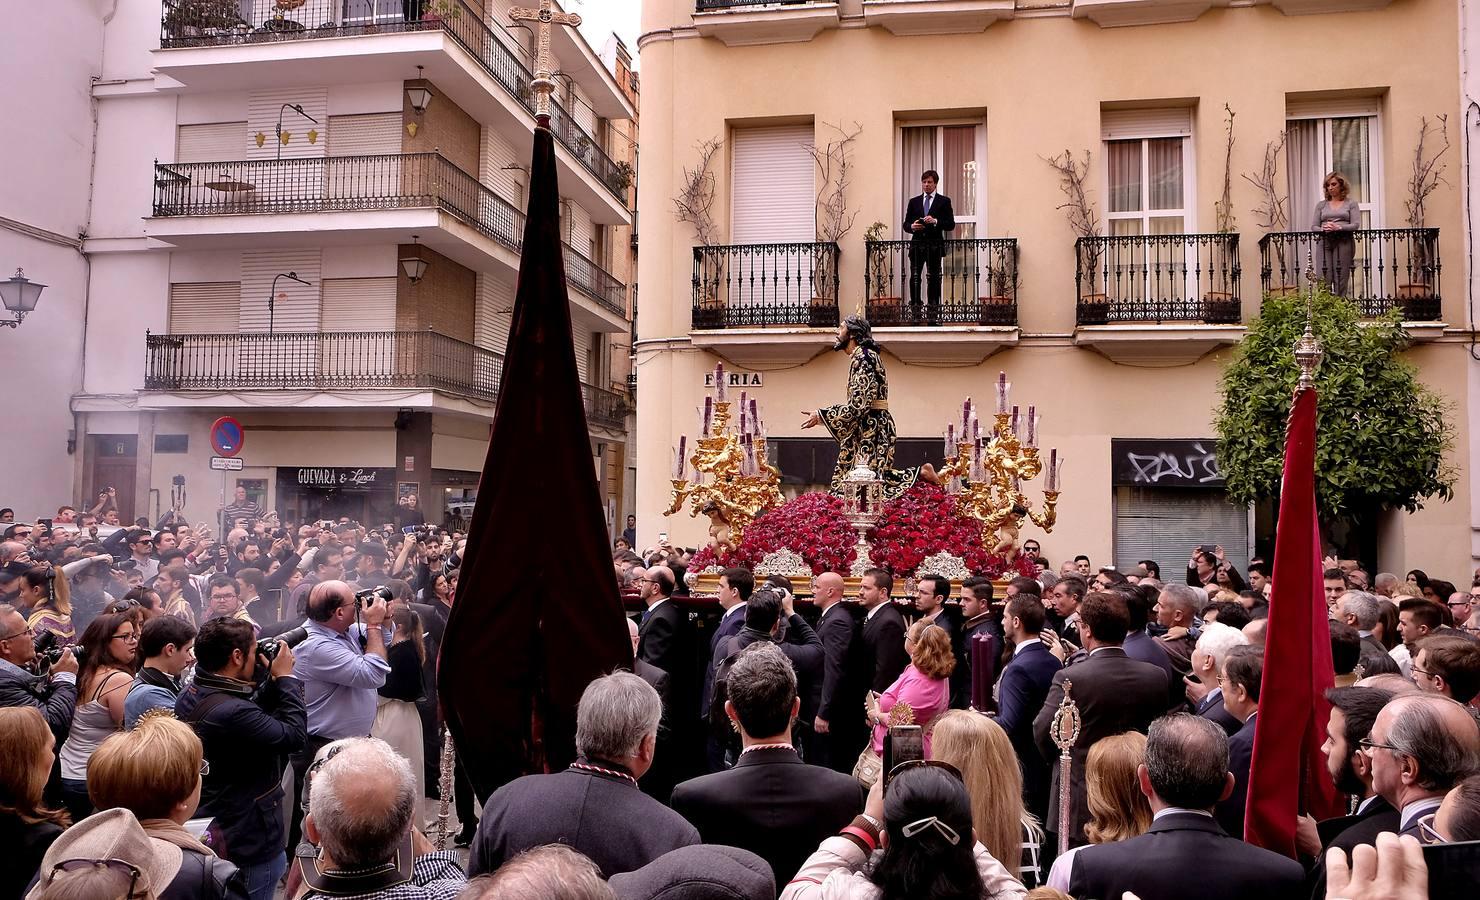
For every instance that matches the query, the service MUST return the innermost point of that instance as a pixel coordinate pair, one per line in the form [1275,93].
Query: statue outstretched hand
[812,420]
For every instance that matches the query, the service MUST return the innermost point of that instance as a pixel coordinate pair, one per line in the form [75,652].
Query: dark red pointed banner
[537,614]
[1288,774]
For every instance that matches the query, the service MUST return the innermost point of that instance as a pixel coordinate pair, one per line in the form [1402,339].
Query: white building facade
[307,215]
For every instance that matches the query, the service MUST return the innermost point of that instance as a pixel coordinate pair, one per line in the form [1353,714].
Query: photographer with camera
[246,730]
[342,665]
[54,695]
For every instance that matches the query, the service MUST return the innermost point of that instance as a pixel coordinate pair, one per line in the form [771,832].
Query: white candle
[708,414]
[1051,483]
[1003,388]
[1014,424]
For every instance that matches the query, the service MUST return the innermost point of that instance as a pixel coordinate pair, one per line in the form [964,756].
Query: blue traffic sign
[227,436]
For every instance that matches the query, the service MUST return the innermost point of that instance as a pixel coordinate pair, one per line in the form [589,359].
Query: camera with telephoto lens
[268,648]
[366,598]
[47,649]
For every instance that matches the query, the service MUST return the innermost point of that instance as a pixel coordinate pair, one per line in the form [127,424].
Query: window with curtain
[955,152]
[1315,146]
[1147,182]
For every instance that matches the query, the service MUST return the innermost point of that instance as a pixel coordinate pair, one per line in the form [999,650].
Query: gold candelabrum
[995,496]
[741,483]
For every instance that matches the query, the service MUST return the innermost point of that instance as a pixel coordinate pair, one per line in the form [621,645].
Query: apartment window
[956,150]
[1336,136]
[1148,170]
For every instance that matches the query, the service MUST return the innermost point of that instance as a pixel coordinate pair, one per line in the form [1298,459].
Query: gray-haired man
[595,805]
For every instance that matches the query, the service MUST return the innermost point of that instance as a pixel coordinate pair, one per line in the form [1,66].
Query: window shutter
[365,135]
[358,304]
[1342,107]
[1160,122]
[297,309]
[205,308]
[216,142]
[502,172]
[494,309]
[1163,523]
[773,199]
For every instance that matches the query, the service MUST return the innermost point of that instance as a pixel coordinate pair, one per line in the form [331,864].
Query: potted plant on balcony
[1416,294]
[1094,306]
[442,11]
[1002,283]
[1218,305]
[619,178]
[834,219]
[694,204]
[1282,264]
[193,18]
[883,308]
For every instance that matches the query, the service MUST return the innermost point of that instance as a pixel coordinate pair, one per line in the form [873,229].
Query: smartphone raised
[902,743]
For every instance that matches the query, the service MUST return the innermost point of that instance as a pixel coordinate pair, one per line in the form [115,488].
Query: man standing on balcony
[861,424]
[927,218]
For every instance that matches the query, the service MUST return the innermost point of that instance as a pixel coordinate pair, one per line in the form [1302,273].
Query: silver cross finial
[542,85]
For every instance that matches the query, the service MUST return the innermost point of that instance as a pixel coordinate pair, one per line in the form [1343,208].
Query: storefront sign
[343,478]
[1162,462]
[226,463]
[742,380]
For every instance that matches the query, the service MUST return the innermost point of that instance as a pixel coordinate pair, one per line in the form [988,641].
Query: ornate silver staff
[444,790]
[1065,731]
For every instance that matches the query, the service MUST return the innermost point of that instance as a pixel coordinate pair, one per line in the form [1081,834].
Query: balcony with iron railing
[341,361]
[1378,269]
[1156,299]
[367,183]
[218,23]
[741,22]
[765,302]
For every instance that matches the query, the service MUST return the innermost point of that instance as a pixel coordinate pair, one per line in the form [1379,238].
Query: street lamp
[414,266]
[20,295]
[297,108]
[272,295]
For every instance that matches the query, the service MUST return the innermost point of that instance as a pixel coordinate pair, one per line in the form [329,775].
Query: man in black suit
[1114,693]
[1020,694]
[735,586]
[978,618]
[1362,611]
[660,779]
[885,658]
[1353,710]
[1213,646]
[664,637]
[838,725]
[771,803]
[1421,746]
[1242,671]
[771,617]
[1141,645]
[1068,592]
[1185,774]
[927,218]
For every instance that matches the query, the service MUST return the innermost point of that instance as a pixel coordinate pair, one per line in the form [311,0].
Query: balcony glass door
[1147,179]
[955,151]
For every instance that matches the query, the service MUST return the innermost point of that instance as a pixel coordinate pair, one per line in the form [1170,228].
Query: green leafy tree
[1381,435]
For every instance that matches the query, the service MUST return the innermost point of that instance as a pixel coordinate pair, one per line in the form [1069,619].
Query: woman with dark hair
[110,658]
[27,827]
[923,822]
[1418,578]
[1386,630]
[397,721]
[44,591]
[438,590]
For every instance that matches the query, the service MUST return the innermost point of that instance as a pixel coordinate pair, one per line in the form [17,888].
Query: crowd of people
[182,716]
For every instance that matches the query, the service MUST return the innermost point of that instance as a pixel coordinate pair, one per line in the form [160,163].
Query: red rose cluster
[924,522]
[812,525]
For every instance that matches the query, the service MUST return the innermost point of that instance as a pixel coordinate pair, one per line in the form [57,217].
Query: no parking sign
[227,436]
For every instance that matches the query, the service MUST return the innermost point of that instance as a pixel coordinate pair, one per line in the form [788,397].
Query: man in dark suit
[1362,611]
[1020,694]
[928,217]
[770,617]
[660,779]
[771,802]
[594,806]
[885,658]
[1139,600]
[1242,671]
[1067,594]
[1421,746]
[1114,693]
[735,586]
[1213,646]
[978,618]
[1185,774]
[664,637]
[838,725]
[1353,710]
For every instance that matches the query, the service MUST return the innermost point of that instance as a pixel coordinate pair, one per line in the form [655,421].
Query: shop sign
[737,380]
[337,477]
[1163,462]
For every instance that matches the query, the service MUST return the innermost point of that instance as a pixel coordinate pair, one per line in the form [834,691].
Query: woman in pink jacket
[922,692]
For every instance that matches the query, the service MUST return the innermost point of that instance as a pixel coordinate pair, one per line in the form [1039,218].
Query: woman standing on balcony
[1337,218]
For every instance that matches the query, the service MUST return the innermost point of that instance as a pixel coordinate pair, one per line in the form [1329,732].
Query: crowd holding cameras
[256,716]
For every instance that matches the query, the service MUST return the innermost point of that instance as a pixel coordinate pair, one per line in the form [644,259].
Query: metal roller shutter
[297,306]
[364,135]
[216,142]
[205,308]
[772,196]
[502,172]
[1164,524]
[358,304]
[495,306]
[1159,122]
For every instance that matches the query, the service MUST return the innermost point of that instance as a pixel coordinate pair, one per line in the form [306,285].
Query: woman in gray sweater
[1337,218]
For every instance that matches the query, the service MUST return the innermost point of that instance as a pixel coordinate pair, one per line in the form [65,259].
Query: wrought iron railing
[604,407]
[331,183]
[1378,269]
[321,361]
[209,23]
[336,183]
[1157,278]
[713,5]
[594,281]
[953,282]
[750,285]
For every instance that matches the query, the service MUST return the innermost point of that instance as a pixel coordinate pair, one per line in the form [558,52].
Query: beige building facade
[1118,340]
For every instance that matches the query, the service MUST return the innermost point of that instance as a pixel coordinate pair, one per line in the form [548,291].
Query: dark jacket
[729,626]
[1230,812]
[25,844]
[55,700]
[605,817]
[666,641]
[802,646]
[985,624]
[205,877]
[772,804]
[1024,686]
[940,210]
[883,644]
[1347,832]
[1212,708]
[1142,646]
[842,694]
[246,740]
[1178,847]
[1114,693]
